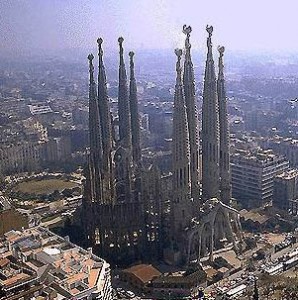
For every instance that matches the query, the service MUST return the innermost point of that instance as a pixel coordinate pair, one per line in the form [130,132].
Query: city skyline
[148,149]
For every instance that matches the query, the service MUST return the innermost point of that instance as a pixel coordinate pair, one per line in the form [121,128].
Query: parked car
[129,294]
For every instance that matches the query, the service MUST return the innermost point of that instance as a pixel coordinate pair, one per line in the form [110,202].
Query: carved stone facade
[207,224]
[216,226]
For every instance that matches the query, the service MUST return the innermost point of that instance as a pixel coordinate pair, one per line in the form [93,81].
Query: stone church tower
[122,157]
[96,154]
[135,120]
[210,128]
[192,116]
[181,199]
[224,154]
[123,102]
[106,128]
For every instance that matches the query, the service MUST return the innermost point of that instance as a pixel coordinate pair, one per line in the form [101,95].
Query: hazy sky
[60,24]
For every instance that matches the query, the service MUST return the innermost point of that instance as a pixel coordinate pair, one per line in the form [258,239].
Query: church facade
[122,214]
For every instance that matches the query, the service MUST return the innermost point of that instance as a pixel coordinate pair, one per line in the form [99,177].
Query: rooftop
[73,269]
[288,175]
[254,216]
[143,272]
[39,109]
[14,273]
[259,157]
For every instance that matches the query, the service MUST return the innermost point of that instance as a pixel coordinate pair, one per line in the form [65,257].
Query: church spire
[95,159]
[123,102]
[210,127]
[181,205]
[135,120]
[103,106]
[106,127]
[187,31]
[224,162]
[192,115]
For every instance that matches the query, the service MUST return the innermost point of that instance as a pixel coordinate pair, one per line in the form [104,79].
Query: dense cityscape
[149,174]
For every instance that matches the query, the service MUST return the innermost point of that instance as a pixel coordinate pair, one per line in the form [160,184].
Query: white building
[253,174]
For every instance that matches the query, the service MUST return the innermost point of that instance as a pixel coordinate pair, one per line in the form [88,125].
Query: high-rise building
[287,147]
[253,174]
[285,194]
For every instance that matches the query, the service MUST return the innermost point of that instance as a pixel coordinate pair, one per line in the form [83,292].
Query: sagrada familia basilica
[123,213]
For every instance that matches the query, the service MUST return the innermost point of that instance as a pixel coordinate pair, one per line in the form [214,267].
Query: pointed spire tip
[187,29]
[120,40]
[121,50]
[209,30]
[178,52]
[100,51]
[91,67]
[221,50]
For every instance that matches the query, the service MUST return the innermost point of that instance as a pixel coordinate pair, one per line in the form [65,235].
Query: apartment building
[286,191]
[55,267]
[253,173]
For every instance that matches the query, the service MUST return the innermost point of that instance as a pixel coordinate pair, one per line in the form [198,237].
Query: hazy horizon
[39,25]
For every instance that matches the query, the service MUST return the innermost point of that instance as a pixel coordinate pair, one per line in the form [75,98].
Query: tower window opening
[97,236]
